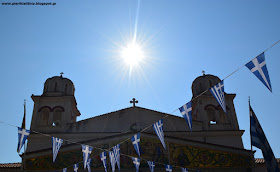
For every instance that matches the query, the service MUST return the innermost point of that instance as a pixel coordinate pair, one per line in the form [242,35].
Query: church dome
[204,82]
[58,86]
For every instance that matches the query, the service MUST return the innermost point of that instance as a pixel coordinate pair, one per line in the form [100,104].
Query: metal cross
[133,101]
[203,72]
[61,73]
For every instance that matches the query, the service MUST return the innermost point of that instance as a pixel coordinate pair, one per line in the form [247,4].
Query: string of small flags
[257,66]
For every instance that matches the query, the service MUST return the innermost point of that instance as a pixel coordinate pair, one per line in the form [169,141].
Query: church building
[214,144]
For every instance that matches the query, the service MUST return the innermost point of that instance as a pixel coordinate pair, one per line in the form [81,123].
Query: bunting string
[166,116]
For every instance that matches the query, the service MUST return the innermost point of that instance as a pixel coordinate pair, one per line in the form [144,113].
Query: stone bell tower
[56,107]
[210,116]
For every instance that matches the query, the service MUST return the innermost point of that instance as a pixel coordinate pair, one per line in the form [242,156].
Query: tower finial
[203,72]
[61,73]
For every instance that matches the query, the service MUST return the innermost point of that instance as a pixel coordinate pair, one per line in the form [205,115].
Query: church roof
[11,165]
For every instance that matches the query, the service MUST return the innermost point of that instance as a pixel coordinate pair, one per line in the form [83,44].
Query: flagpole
[25,142]
[252,156]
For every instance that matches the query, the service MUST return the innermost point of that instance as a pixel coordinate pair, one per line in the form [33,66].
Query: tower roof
[58,85]
[204,82]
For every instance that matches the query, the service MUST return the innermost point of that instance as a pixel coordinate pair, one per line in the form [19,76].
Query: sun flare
[132,54]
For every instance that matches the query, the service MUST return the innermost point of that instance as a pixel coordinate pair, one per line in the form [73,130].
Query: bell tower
[208,114]
[56,107]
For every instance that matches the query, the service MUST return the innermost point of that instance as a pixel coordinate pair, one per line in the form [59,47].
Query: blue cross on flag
[168,168]
[136,143]
[56,143]
[219,94]
[259,69]
[259,140]
[88,165]
[136,162]
[22,136]
[86,152]
[64,170]
[116,150]
[186,111]
[112,160]
[184,169]
[151,165]
[103,159]
[159,131]
[76,167]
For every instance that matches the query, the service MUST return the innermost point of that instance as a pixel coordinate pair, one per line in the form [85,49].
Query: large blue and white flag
[76,167]
[86,152]
[258,139]
[103,159]
[56,143]
[64,169]
[112,160]
[186,111]
[219,94]
[151,165]
[158,127]
[168,168]
[259,69]
[22,136]
[136,143]
[116,150]
[88,165]
[136,162]
[184,169]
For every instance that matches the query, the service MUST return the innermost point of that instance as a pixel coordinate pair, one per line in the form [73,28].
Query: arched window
[44,116]
[57,114]
[211,113]
[65,90]
[55,86]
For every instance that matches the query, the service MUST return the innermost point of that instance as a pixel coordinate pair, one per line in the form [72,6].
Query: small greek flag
[103,159]
[88,165]
[86,152]
[159,131]
[259,69]
[22,136]
[56,143]
[112,160]
[76,167]
[64,170]
[219,94]
[136,162]
[136,143]
[168,168]
[151,165]
[186,111]
[258,139]
[184,169]
[116,150]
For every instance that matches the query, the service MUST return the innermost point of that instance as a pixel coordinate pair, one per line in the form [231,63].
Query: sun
[132,54]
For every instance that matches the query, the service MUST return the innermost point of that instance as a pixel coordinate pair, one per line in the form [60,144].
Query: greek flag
[22,136]
[64,170]
[258,67]
[159,131]
[56,143]
[103,159]
[86,152]
[136,143]
[88,165]
[116,150]
[219,94]
[76,167]
[184,169]
[258,139]
[186,111]
[136,162]
[151,165]
[112,160]
[168,168]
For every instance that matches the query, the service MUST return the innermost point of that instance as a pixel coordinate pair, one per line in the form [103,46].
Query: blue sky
[180,39]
